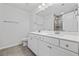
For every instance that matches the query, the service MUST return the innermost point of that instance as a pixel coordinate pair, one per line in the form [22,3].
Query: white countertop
[60,36]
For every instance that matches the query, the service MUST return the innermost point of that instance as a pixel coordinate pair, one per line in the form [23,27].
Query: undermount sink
[56,33]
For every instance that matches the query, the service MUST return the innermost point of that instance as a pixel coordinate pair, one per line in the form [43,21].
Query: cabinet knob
[67,45]
[31,38]
[49,46]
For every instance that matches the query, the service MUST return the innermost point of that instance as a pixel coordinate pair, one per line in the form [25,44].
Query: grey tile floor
[16,51]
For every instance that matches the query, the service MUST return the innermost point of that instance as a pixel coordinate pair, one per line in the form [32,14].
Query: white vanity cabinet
[30,42]
[43,45]
[50,46]
[43,48]
[33,43]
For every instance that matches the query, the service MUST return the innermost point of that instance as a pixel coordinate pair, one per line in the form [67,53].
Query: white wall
[36,23]
[49,23]
[12,33]
[41,23]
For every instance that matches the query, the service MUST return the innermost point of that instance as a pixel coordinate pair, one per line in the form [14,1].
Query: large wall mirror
[68,21]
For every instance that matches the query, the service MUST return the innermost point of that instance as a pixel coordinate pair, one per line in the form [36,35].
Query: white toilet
[25,41]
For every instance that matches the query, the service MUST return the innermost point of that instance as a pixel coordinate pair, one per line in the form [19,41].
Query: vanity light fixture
[62,4]
[43,4]
[40,6]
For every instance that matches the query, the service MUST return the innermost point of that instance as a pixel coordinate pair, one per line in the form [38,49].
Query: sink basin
[56,34]
[51,33]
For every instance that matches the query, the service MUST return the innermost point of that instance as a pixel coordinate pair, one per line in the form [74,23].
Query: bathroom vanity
[51,44]
[58,44]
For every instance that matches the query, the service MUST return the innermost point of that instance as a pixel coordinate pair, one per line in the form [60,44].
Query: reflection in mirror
[58,23]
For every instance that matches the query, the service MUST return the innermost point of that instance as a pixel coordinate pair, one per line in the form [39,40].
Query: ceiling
[28,7]
[56,8]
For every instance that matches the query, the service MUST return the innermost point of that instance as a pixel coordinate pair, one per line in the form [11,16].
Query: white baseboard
[12,45]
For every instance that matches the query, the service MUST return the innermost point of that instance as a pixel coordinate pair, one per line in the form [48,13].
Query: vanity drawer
[51,40]
[72,46]
[34,36]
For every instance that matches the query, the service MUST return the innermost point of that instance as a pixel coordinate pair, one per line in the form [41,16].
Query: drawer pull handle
[31,38]
[67,45]
[49,46]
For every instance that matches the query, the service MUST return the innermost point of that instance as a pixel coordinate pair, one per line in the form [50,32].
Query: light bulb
[39,6]
[43,4]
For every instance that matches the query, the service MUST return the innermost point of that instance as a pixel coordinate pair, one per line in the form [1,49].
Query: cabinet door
[30,43]
[33,44]
[43,48]
[57,51]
